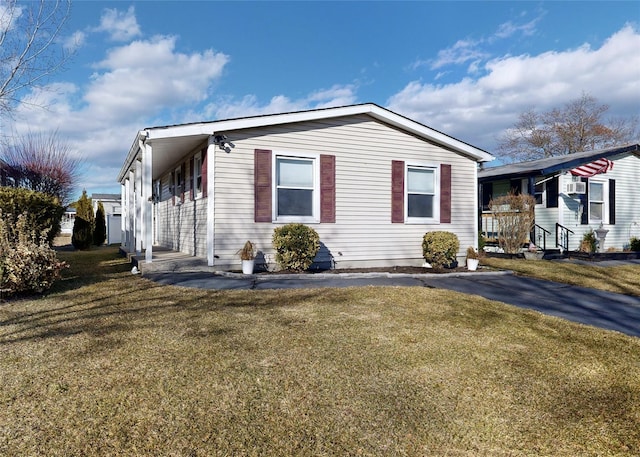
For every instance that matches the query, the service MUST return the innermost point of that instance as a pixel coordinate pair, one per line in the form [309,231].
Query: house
[574,194]
[369,181]
[112,204]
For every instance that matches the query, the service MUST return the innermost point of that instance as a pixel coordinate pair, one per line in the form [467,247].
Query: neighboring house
[574,193]
[369,181]
[112,204]
[68,219]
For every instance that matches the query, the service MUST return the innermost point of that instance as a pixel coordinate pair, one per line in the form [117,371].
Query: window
[197,175]
[178,183]
[422,198]
[296,194]
[597,192]
[539,193]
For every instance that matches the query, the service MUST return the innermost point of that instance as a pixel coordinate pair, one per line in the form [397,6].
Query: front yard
[112,364]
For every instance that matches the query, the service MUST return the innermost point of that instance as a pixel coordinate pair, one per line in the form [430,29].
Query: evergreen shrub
[42,212]
[100,230]
[82,236]
[440,248]
[296,246]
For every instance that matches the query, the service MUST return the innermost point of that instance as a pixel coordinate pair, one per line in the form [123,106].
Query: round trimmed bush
[440,248]
[296,246]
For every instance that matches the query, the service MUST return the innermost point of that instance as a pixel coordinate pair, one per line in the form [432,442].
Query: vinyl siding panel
[626,172]
[362,233]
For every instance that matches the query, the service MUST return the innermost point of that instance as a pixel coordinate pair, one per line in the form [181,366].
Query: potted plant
[473,259]
[533,253]
[248,257]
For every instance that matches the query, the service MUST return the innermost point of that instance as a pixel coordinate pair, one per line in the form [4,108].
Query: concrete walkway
[579,304]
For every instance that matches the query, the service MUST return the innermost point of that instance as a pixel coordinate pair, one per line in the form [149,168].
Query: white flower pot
[247,266]
[472,264]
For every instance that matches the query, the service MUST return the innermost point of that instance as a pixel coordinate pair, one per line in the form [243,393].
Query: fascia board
[375,111]
[134,150]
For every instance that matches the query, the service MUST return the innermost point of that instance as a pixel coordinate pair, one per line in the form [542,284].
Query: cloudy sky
[465,68]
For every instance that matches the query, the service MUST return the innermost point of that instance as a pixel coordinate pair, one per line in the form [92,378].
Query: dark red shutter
[184,181]
[327,188]
[191,178]
[397,191]
[445,193]
[262,185]
[204,172]
[172,186]
[612,201]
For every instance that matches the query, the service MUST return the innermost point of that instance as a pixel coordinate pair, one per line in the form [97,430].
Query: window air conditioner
[576,188]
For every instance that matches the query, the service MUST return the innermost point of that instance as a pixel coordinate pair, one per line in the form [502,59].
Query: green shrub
[43,212]
[100,230]
[634,244]
[27,261]
[296,246]
[82,236]
[440,248]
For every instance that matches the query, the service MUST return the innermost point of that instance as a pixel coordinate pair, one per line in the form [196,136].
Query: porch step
[164,260]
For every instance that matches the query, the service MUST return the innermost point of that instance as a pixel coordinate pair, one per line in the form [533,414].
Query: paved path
[579,304]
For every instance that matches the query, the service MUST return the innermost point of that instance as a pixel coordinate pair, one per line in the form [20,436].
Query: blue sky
[465,68]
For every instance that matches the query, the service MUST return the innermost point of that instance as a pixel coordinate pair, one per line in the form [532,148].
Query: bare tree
[30,46]
[40,162]
[578,126]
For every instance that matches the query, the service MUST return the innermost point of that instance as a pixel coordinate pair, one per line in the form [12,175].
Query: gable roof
[549,165]
[193,134]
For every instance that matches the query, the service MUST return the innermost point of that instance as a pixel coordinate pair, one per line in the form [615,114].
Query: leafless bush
[514,215]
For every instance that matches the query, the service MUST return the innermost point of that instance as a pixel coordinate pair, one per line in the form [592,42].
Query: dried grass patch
[112,364]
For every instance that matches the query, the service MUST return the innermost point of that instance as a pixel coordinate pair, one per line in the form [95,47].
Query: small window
[178,184]
[539,193]
[421,193]
[596,202]
[296,194]
[197,175]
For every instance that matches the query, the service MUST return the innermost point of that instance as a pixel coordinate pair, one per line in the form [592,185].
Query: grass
[112,364]
[624,279]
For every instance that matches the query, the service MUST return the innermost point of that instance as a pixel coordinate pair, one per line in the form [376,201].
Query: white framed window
[296,193]
[598,198]
[197,175]
[422,196]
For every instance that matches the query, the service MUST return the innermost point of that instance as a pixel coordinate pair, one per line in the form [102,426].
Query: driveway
[606,310]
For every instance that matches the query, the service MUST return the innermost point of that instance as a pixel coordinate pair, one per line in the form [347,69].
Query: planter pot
[472,264]
[538,255]
[247,266]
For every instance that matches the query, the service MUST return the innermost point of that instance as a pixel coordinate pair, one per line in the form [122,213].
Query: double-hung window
[296,188]
[197,176]
[597,201]
[178,183]
[422,196]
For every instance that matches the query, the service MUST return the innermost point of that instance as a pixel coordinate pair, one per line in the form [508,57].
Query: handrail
[545,232]
[562,239]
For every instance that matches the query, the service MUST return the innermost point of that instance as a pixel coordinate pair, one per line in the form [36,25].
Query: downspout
[211,201]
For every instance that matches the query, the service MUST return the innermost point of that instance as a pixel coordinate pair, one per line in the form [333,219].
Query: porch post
[210,201]
[147,201]
[138,204]
[131,212]
[124,213]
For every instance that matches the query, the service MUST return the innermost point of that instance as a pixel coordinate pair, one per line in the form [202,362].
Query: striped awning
[594,168]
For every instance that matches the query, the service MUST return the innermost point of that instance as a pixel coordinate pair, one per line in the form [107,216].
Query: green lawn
[112,364]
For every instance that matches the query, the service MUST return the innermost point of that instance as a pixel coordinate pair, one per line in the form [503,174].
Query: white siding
[363,233]
[626,172]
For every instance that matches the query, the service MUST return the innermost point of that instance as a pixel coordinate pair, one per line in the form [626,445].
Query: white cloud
[9,16]
[475,109]
[338,95]
[120,25]
[74,42]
